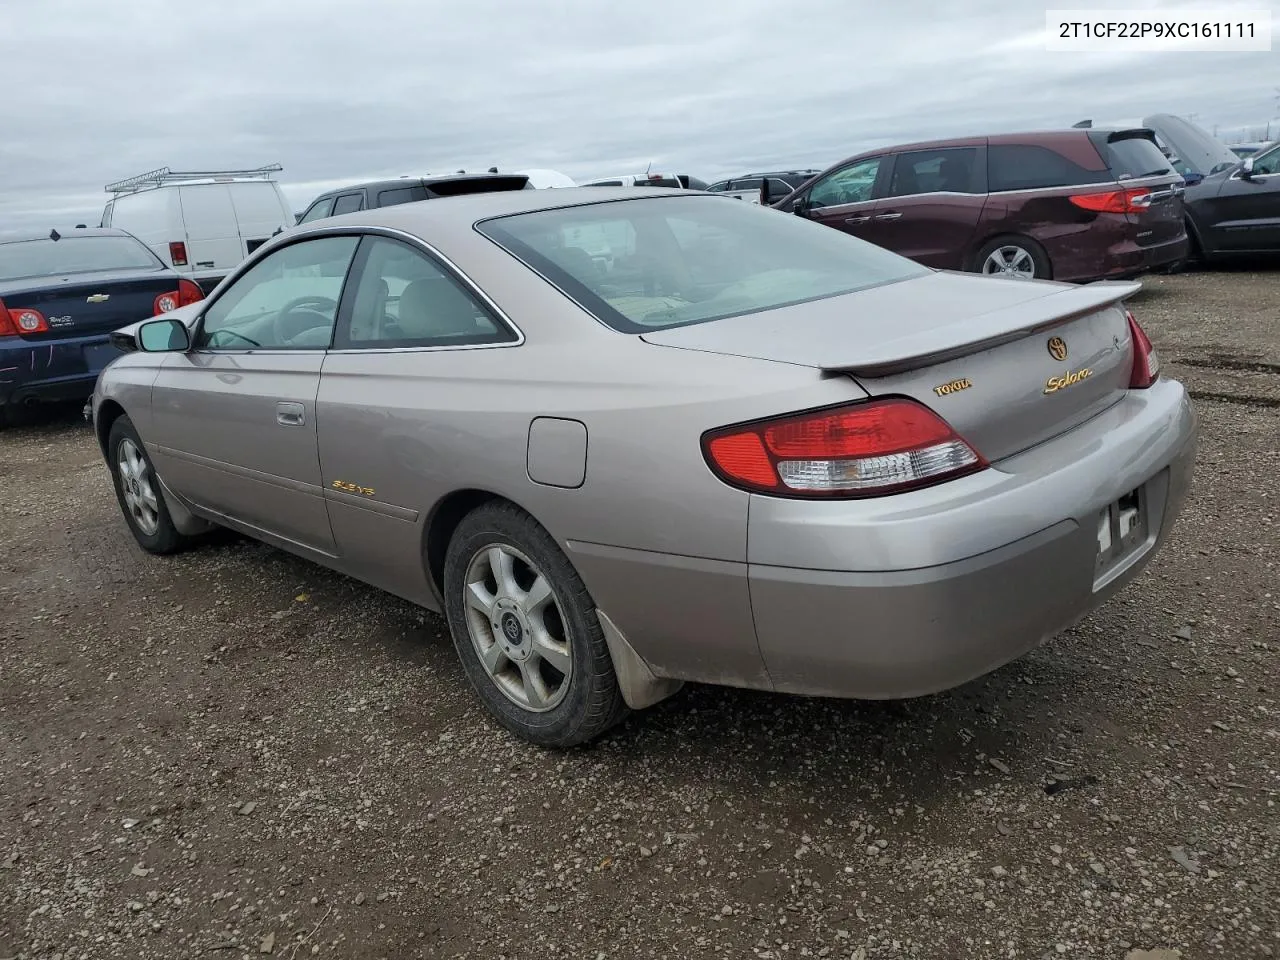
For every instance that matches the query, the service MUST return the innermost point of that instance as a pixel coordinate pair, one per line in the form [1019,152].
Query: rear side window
[348,203]
[389,198]
[1135,157]
[1029,167]
[935,171]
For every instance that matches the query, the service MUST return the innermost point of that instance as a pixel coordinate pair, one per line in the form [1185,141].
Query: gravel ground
[235,753]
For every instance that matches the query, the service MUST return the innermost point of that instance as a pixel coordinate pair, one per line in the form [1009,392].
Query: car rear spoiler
[974,334]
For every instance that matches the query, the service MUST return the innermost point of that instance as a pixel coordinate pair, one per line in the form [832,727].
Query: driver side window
[853,184]
[1267,163]
[286,301]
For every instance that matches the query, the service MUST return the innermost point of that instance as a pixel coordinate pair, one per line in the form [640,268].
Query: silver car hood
[898,326]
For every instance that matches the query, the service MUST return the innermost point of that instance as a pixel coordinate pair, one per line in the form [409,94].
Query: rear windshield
[1135,157]
[49,258]
[657,262]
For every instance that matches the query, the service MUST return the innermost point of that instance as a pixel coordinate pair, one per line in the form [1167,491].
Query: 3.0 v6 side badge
[1054,384]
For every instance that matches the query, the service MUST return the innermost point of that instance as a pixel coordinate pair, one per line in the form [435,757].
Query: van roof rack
[158,178]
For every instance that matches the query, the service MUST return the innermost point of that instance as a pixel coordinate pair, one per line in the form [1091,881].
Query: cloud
[339,91]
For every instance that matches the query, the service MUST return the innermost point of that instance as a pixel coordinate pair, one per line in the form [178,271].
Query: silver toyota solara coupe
[622,439]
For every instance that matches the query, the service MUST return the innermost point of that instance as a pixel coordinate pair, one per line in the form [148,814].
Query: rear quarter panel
[1076,240]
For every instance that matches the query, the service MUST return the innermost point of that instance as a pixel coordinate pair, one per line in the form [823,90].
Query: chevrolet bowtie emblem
[98,298]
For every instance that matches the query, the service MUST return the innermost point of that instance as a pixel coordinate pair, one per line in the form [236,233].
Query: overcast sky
[340,90]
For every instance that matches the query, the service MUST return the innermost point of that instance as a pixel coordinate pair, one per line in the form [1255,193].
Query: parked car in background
[543,179]
[748,185]
[388,193]
[1253,148]
[1233,205]
[61,296]
[755,452]
[681,181]
[202,223]
[1072,205]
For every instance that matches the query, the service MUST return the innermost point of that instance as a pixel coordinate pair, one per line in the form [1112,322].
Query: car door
[234,418]
[407,365]
[845,199]
[1246,212]
[212,231]
[932,205]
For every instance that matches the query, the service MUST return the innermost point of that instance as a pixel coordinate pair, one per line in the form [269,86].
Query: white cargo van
[204,223]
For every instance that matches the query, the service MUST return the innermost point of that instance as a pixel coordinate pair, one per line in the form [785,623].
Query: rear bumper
[51,370]
[881,599]
[1128,258]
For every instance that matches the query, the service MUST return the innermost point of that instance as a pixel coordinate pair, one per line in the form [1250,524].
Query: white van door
[261,211]
[213,236]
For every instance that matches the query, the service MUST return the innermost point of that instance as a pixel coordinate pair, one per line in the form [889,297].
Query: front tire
[1014,257]
[138,491]
[526,630]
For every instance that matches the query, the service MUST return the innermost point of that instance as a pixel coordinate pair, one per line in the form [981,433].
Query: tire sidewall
[587,683]
[166,537]
[1044,270]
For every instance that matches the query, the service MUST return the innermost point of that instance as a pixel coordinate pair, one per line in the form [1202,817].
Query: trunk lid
[89,303]
[975,349]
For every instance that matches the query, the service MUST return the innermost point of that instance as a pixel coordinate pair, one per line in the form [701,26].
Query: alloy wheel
[135,483]
[515,623]
[1010,261]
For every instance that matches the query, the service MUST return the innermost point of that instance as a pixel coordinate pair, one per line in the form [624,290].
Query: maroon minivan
[1073,205]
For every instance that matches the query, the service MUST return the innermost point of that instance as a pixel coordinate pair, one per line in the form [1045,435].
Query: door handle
[888,216]
[289,414]
[856,219]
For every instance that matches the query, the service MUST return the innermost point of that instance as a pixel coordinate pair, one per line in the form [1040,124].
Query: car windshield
[24,259]
[669,261]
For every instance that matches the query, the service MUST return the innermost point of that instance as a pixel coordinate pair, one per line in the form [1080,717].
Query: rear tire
[1013,256]
[138,491]
[526,630]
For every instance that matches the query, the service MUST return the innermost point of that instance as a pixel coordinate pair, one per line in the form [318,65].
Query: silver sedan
[626,439]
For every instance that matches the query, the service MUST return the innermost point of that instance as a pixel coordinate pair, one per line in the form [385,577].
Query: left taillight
[1146,362]
[1114,201]
[21,320]
[864,449]
[187,293]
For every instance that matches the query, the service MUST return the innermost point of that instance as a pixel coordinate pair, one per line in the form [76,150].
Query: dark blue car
[61,295]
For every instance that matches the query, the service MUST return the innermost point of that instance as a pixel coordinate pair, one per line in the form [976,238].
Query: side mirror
[1246,168]
[163,336]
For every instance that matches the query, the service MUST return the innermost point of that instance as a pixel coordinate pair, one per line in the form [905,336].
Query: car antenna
[54,235]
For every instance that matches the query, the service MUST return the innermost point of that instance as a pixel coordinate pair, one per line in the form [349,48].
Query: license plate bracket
[1123,529]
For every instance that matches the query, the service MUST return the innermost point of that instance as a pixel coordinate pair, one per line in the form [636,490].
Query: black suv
[385,193]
